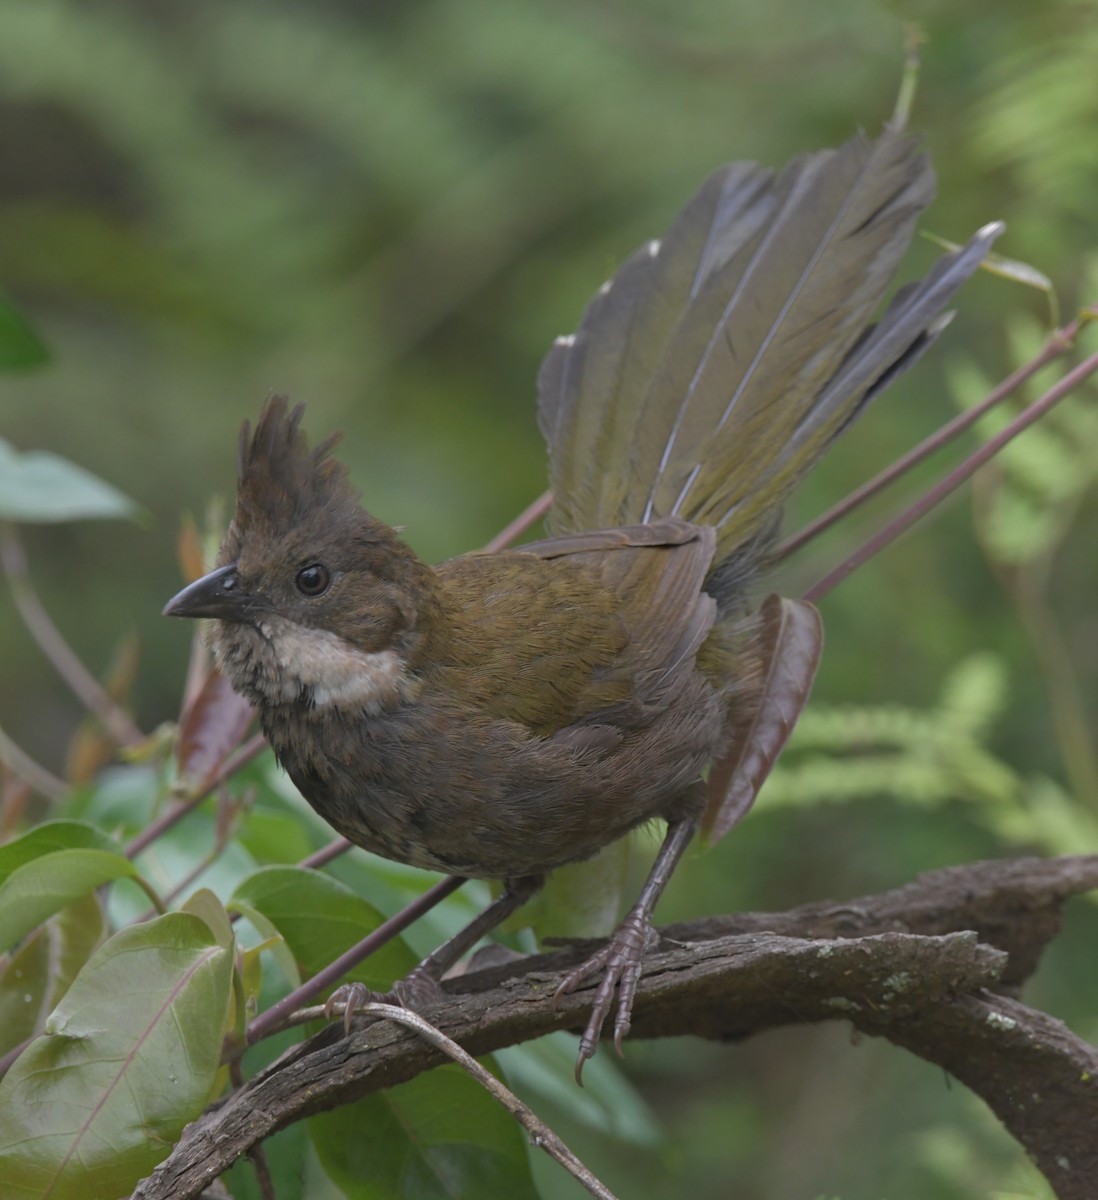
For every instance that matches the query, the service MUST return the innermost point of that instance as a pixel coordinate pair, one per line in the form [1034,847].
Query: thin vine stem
[83,684]
[953,480]
[540,1134]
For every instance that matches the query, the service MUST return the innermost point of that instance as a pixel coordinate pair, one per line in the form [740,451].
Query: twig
[1067,710]
[904,520]
[886,963]
[540,1134]
[87,689]
[275,1017]
[323,856]
[913,39]
[1059,343]
[532,513]
[243,755]
[262,1172]
[221,841]
[25,767]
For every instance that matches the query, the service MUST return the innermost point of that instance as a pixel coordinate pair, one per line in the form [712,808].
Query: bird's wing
[579,627]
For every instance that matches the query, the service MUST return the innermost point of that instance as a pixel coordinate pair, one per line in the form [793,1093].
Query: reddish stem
[268,1022]
[904,520]
[243,755]
[1060,341]
[531,514]
[325,854]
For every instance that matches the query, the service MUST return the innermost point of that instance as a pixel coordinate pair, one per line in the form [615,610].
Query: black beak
[215,595]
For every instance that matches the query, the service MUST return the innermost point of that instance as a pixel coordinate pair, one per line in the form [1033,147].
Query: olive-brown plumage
[534,705]
[500,715]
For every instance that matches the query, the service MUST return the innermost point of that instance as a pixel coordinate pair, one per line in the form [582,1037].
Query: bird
[499,715]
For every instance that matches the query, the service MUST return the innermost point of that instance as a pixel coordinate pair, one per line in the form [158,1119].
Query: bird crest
[282,481]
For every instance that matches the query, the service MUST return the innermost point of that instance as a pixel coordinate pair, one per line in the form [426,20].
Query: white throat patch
[338,674]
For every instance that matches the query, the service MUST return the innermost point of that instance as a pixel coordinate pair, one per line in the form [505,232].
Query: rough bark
[925,966]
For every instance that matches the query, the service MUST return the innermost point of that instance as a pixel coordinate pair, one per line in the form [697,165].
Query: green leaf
[48,837]
[41,887]
[320,919]
[36,977]
[974,694]
[274,834]
[1012,269]
[122,797]
[127,1059]
[251,975]
[20,346]
[439,1137]
[205,904]
[272,940]
[44,487]
[48,867]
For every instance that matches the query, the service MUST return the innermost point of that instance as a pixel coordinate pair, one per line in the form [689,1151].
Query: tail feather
[912,323]
[592,385]
[713,370]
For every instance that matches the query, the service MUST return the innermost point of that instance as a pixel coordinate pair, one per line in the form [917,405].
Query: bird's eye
[313,580]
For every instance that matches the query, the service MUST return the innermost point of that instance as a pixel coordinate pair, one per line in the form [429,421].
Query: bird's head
[314,600]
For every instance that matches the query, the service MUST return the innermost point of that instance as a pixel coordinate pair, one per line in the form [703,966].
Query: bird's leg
[423,980]
[420,987]
[622,958]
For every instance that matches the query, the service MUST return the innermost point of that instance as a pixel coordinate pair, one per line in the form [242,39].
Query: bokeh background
[387,210]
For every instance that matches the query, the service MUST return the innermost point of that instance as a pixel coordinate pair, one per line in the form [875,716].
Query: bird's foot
[420,988]
[347,999]
[620,962]
[417,990]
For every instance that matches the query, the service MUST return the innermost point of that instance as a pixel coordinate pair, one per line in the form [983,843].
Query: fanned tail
[713,370]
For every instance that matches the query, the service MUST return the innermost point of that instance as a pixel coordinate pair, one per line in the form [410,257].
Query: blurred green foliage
[388,210]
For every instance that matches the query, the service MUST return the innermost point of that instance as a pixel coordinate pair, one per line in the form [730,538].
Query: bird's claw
[620,963]
[418,989]
[346,999]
